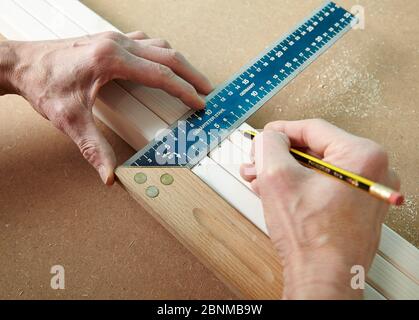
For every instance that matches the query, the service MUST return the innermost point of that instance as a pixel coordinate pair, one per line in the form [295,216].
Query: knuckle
[139,34]
[164,73]
[376,153]
[316,122]
[103,49]
[89,149]
[163,43]
[270,126]
[187,92]
[175,57]
[272,176]
[373,159]
[112,35]
[189,89]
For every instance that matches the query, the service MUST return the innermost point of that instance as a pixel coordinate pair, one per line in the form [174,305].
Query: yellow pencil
[378,190]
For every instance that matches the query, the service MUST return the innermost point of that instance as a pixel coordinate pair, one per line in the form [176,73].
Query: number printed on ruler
[192,137]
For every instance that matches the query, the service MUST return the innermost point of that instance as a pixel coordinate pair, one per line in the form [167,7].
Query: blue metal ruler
[189,140]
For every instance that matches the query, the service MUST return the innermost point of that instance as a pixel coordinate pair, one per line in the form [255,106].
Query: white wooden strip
[399,252]
[166,107]
[392,283]
[25,26]
[235,193]
[132,110]
[239,140]
[127,130]
[145,122]
[82,16]
[52,19]
[371,294]
[8,31]
[230,157]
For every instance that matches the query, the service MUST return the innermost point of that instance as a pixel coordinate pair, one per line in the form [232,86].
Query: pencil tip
[248,134]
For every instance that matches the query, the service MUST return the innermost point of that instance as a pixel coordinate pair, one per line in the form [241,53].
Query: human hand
[320,226]
[61,80]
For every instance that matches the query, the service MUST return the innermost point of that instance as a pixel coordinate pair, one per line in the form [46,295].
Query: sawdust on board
[348,88]
[351,90]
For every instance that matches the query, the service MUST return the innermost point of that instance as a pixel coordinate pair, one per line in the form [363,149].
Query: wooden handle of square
[220,237]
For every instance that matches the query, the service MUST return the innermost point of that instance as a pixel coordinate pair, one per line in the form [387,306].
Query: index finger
[156,75]
[318,135]
[175,61]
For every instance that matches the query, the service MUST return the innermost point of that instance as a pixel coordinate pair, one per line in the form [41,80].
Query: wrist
[8,63]
[318,274]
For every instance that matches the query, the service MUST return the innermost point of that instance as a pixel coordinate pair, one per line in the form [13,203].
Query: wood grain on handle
[232,247]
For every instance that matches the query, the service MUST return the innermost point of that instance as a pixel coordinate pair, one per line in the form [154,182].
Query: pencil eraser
[396,199]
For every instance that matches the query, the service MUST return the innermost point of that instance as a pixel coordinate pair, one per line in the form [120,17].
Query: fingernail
[249,171]
[103,174]
[252,158]
[201,103]
[210,87]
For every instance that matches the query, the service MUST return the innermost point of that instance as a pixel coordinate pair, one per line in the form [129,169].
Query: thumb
[277,179]
[92,144]
[97,151]
[277,172]
[272,154]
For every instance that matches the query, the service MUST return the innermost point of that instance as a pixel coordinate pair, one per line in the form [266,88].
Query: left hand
[61,80]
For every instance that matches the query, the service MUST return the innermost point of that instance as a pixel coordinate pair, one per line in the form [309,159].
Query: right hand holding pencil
[320,226]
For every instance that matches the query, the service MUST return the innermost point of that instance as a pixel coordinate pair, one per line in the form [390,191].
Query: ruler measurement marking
[231,104]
